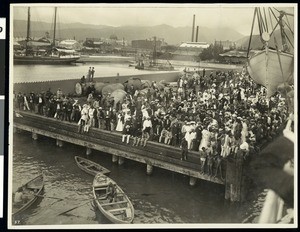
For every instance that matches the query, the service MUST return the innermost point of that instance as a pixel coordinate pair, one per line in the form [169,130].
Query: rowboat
[120,210]
[89,166]
[30,192]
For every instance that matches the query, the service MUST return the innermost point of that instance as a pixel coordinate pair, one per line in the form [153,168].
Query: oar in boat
[56,198]
[131,193]
[86,202]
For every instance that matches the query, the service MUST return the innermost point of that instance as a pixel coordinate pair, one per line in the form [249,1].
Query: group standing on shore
[219,115]
[90,75]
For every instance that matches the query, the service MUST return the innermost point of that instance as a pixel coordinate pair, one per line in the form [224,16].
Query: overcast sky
[237,16]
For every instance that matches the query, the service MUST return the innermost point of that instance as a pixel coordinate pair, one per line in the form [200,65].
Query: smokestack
[193,28]
[197,33]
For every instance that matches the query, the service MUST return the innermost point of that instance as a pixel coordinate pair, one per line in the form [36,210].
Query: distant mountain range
[256,42]
[171,35]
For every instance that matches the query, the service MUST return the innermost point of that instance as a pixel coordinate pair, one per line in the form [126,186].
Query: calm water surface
[31,73]
[163,197]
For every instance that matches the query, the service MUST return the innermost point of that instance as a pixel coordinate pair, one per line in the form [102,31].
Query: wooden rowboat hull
[90,167]
[121,210]
[36,183]
[264,68]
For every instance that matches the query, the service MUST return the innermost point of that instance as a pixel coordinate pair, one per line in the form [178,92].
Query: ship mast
[154,51]
[53,43]
[28,30]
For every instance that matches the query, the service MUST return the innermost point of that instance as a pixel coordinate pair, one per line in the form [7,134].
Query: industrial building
[70,44]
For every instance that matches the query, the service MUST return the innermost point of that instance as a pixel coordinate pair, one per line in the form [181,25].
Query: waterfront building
[70,44]
[235,56]
[226,44]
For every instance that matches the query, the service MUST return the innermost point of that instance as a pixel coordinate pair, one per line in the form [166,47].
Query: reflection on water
[163,197]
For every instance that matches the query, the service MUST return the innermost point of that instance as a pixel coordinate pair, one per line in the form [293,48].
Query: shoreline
[68,85]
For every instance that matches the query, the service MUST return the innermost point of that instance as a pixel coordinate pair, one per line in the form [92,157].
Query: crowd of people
[218,114]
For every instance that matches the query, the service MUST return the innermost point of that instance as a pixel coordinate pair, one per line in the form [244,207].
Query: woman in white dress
[120,123]
[145,111]
[244,132]
[205,139]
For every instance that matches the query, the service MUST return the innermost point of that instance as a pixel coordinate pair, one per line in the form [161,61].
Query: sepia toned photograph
[153,116]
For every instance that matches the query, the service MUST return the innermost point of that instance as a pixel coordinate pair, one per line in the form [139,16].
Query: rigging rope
[288,25]
[259,23]
[266,20]
[288,39]
[278,55]
[251,32]
[280,23]
[261,20]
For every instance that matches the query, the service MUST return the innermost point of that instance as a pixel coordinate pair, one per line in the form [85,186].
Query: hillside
[172,35]
[256,41]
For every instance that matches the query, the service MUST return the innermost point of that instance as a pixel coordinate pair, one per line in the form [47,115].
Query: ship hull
[264,68]
[45,60]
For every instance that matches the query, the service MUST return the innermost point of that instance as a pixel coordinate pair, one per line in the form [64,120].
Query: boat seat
[91,165]
[33,187]
[128,213]
[113,203]
[98,188]
[116,210]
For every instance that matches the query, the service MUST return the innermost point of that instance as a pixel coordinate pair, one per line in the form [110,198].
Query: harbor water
[164,197]
[32,73]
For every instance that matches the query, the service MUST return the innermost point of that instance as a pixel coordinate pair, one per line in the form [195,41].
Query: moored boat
[90,167]
[120,210]
[30,193]
[52,55]
[55,60]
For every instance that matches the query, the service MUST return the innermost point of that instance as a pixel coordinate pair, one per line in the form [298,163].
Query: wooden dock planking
[155,154]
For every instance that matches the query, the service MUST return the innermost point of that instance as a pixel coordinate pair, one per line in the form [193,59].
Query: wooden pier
[153,155]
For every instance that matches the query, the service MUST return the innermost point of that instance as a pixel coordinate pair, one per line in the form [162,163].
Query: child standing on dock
[203,155]
[84,118]
[145,138]
[92,74]
[89,74]
[184,149]
[126,131]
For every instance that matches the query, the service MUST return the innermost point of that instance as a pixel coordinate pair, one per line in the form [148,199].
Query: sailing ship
[271,67]
[153,65]
[53,55]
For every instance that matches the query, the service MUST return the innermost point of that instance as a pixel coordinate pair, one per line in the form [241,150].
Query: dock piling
[192,181]
[121,160]
[59,143]
[149,169]
[115,158]
[88,151]
[34,136]
[233,185]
